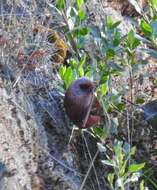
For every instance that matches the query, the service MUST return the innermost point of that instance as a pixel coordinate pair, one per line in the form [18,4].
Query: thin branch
[89,169]
[88,112]
[91,159]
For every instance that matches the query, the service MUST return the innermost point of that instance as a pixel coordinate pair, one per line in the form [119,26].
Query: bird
[77,101]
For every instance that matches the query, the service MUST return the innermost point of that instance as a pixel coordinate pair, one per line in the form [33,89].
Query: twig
[88,112]
[74,46]
[89,169]
[91,159]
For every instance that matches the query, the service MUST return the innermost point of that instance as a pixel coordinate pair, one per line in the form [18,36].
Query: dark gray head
[85,85]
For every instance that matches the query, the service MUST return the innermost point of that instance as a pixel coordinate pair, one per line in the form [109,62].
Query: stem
[89,169]
[88,112]
[73,43]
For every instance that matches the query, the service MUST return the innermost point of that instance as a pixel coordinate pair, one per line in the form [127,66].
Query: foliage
[124,174]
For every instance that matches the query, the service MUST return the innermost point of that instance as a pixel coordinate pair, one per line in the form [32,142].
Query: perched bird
[77,102]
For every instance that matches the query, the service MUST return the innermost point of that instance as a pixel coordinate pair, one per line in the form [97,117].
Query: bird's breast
[77,105]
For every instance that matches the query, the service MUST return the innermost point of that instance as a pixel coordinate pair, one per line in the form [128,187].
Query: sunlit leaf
[153,3]
[81,14]
[142,185]
[81,71]
[98,131]
[62,71]
[110,178]
[60,4]
[79,3]
[101,147]
[103,88]
[136,167]
[107,162]
[146,28]
[68,76]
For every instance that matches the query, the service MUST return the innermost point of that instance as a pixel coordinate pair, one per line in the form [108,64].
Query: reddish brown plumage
[77,100]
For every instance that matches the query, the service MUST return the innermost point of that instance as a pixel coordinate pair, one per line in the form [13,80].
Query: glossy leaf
[100,132]
[146,28]
[101,147]
[110,178]
[68,77]
[103,89]
[108,162]
[136,167]
[62,71]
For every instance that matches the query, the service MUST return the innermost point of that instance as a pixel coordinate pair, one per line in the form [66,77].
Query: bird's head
[85,85]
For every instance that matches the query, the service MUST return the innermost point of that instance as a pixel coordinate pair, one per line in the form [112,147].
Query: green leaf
[116,99]
[71,12]
[68,77]
[99,132]
[62,71]
[83,60]
[60,4]
[108,162]
[153,3]
[81,71]
[155,81]
[79,3]
[136,167]
[123,168]
[140,100]
[154,28]
[103,89]
[115,24]
[95,32]
[84,31]
[110,53]
[109,22]
[151,52]
[114,125]
[81,15]
[101,147]
[142,185]
[116,39]
[133,178]
[132,42]
[126,148]
[80,32]
[73,63]
[81,42]
[146,28]
[110,178]
[132,151]
[120,106]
